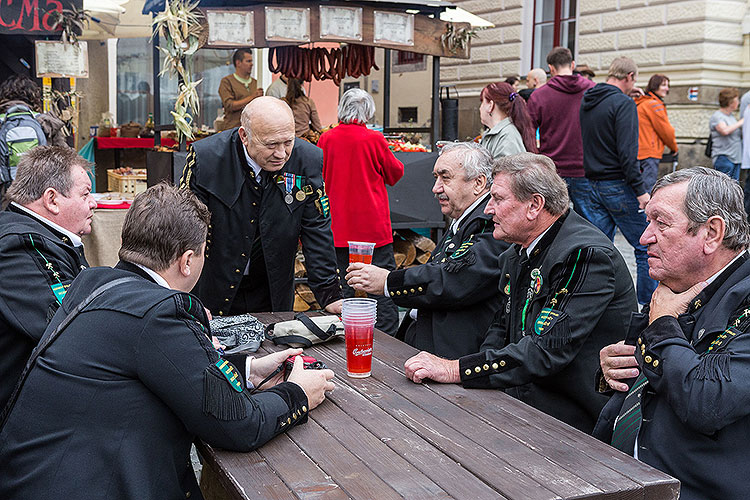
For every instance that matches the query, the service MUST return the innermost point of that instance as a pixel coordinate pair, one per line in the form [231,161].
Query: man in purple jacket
[554,110]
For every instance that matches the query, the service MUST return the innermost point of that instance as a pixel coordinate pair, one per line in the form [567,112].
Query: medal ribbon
[289,178]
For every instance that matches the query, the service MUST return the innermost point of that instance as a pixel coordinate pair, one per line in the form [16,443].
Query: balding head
[266,111]
[267,132]
[536,78]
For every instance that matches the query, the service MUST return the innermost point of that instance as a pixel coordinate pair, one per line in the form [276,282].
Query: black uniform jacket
[112,406]
[562,306]
[696,406]
[216,173]
[455,293]
[37,264]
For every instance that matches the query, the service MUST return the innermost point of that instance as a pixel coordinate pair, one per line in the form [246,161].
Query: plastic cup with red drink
[358,316]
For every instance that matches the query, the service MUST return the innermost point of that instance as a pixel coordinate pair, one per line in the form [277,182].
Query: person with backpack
[22,126]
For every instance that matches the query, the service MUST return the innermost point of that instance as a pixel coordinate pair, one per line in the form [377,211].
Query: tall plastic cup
[358,316]
[360,251]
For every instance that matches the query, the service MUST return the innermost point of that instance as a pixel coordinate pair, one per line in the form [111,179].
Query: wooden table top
[386,437]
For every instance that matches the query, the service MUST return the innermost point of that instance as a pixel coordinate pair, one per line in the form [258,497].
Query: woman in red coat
[357,165]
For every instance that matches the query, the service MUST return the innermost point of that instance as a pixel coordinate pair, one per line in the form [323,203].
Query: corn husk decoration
[179,25]
[70,22]
[457,39]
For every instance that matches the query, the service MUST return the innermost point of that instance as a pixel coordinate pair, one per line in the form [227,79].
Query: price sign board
[56,59]
[393,27]
[230,28]
[285,24]
[341,23]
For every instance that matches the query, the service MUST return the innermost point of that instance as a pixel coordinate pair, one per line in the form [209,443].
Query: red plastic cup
[358,316]
[360,251]
[359,350]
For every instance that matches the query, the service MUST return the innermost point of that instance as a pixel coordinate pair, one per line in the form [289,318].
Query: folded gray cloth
[238,333]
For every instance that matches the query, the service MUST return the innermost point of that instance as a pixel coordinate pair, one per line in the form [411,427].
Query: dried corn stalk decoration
[70,22]
[180,27]
[455,39]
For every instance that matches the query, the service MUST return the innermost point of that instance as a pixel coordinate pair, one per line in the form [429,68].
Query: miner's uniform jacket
[290,207]
[694,407]
[562,304]
[111,407]
[455,293]
[37,264]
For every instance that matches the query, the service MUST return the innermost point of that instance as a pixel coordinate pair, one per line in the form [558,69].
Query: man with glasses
[265,191]
[609,129]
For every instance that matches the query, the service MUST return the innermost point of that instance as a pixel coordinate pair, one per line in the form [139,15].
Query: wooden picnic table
[385,437]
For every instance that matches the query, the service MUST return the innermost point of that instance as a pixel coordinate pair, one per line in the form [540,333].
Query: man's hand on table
[264,366]
[315,383]
[664,302]
[618,363]
[428,366]
[367,277]
[335,307]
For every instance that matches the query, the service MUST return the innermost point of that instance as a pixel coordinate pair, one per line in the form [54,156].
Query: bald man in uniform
[265,191]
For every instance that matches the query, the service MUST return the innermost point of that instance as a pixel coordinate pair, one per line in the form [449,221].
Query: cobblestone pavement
[627,252]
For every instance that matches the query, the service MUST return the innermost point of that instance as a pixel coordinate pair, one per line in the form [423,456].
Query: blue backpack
[19,133]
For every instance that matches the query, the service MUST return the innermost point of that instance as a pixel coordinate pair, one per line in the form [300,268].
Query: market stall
[291,29]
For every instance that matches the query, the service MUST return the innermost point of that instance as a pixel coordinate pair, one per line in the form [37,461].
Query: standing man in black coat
[454,295]
[567,293]
[40,250]
[112,403]
[265,191]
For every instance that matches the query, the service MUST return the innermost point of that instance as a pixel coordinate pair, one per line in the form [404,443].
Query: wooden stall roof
[428,28]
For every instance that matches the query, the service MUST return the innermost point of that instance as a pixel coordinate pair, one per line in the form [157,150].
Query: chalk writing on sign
[341,22]
[56,59]
[230,28]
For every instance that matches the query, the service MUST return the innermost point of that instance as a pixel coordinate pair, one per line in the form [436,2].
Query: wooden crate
[127,184]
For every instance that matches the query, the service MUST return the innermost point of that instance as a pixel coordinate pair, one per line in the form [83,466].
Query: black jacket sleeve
[626,129]
[178,363]
[452,283]
[706,391]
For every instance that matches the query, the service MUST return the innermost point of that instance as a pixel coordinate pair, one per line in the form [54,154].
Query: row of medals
[300,195]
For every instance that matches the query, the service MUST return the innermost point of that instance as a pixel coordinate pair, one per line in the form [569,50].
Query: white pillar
[112,76]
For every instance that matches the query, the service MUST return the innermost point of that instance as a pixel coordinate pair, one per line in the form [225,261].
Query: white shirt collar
[536,241]
[455,224]
[712,278]
[156,276]
[74,238]
[251,162]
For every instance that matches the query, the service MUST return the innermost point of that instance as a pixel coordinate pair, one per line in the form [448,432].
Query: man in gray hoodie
[554,111]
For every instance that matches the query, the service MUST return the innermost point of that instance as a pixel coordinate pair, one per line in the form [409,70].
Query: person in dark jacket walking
[554,111]
[609,129]
[40,250]
[682,375]
[454,295]
[566,294]
[110,406]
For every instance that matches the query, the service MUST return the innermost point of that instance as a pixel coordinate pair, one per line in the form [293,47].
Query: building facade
[701,45]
